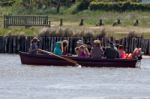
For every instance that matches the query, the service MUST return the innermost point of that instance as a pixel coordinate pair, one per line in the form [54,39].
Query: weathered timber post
[2,44]
[81,22]
[118,21]
[136,23]
[100,23]
[49,23]
[61,22]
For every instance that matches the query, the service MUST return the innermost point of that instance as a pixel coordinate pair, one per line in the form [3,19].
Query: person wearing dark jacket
[111,52]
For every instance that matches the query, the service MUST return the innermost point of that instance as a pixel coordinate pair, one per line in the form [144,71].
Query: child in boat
[122,53]
[34,46]
[97,50]
[64,47]
[58,48]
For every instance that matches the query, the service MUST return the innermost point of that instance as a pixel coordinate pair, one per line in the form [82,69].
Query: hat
[80,42]
[97,41]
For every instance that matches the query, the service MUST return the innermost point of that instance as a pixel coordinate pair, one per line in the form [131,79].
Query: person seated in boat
[78,44]
[58,48]
[122,53]
[34,46]
[97,50]
[136,54]
[89,46]
[83,51]
[111,52]
[64,47]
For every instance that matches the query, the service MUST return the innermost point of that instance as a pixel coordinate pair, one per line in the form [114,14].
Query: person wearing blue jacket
[58,48]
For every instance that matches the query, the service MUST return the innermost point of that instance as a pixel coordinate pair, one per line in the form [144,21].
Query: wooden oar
[64,58]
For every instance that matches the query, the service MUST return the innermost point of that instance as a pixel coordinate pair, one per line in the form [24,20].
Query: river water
[19,81]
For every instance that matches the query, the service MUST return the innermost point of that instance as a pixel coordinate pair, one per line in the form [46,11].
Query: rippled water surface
[19,81]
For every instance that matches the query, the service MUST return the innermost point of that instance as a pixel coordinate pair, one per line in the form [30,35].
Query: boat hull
[50,60]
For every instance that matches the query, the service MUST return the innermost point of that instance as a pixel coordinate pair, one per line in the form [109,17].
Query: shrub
[84,4]
[119,6]
[116,0]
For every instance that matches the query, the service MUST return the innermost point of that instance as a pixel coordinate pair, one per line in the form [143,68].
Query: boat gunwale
[77,58]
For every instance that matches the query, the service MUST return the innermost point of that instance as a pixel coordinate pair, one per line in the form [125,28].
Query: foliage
[45,3]
[7,2]
[119,6]
[116,0]
[84,4]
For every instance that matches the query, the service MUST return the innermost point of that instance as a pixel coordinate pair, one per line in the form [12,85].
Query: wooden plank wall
[14,44]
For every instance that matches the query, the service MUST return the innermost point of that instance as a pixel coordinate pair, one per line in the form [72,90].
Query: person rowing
[34,46]
[58,54]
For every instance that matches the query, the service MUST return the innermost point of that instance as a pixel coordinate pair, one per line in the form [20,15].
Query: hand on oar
[64,58]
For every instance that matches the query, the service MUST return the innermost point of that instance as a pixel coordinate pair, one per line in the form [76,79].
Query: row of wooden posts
[14,44]
[29,21]
[101,22]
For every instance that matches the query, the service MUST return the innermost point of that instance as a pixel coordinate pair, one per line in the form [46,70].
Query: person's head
[97,43]
[117,46]
[120,47]
[112,45]
[35,40]
[80,42]
[65,43]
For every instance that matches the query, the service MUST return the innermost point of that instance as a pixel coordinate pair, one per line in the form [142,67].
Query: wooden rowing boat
[51,60]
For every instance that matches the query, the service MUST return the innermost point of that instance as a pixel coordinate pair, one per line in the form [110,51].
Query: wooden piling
[81,22]
[61,22]
[14,44]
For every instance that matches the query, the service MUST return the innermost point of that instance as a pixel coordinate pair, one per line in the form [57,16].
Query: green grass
[18,31]
[71,20]
[92,17]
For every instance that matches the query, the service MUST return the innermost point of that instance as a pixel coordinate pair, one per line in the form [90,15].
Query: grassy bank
[91,18]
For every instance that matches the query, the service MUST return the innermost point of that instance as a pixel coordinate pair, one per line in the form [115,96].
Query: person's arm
[87,52]
[77,50]
[102,51]
[105,52]
[118,56]
[91,53]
